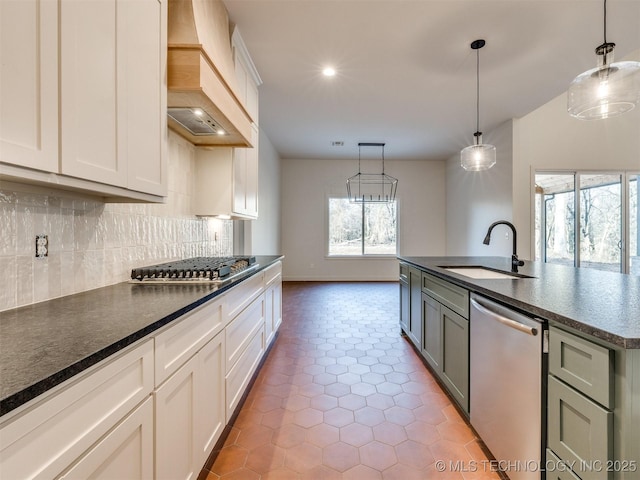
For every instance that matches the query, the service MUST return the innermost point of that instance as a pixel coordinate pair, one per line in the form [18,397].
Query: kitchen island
[590,382]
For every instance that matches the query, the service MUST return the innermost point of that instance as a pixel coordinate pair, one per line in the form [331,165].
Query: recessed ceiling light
[329,72]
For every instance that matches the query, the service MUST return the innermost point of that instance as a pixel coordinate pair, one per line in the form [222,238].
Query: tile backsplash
[93,244]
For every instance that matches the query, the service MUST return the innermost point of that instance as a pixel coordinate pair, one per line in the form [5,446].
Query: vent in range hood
[196,121]
[201,75]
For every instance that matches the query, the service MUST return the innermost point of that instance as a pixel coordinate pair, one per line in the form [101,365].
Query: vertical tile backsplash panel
[93,244]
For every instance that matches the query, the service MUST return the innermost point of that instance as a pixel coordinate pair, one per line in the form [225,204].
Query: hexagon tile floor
[343,396]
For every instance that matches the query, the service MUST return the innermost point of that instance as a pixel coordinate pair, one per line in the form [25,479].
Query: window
[588,220]
[357,229]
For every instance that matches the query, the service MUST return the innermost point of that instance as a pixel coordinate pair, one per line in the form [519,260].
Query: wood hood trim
[201,73]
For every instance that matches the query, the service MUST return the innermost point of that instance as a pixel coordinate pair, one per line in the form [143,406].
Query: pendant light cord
[605,21]
[477,91]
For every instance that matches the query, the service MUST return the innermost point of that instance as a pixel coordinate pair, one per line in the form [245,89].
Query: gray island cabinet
[593,380]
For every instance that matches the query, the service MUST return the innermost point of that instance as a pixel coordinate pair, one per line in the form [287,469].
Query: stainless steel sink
[484,273]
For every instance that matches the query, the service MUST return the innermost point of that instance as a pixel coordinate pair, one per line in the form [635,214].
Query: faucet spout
[515,263]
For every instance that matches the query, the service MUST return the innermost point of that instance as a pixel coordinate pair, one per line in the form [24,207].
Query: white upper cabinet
[226,181]
[29,84]
[109,57]
[247,76]
[112,92]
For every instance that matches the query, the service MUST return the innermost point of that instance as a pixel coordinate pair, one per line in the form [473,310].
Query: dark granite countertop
[44,344]
[604,305]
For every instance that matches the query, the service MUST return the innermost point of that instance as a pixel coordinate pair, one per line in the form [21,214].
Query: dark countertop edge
[29,393]
[554,318]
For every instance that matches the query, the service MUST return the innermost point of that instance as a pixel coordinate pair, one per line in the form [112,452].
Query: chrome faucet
[515,263]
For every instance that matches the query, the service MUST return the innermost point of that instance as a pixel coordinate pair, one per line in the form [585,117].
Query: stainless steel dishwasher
[507,359]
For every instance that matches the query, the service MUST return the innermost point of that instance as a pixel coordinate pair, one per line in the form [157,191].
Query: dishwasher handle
[504,320]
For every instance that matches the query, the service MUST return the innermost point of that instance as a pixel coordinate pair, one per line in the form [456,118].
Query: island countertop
[44,344]
[604,305]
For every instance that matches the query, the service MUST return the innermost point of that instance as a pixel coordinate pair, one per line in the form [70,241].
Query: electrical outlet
[42,246]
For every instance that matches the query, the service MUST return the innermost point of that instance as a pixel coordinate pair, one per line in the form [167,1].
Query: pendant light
[608,90]
[478,156]
[371,187]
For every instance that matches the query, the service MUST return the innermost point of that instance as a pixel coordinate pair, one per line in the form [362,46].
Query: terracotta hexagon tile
[338,417]
[212,476]
[380,401]
[389,388]
[337,369]
[430,414]
[407,400]
[340,456]
[266,403]
[452,414]
[401,471]
[301,379]
[277,418]
[389,433]
[308,417]
[242,474]
[397,377]
[289,436]
[363,389]
[352,401]
[303,457]
[323,435]
[282,473]
[456,432]
[422,432]
[369,416]
[361,472]
[230,459]
[254,436]
[324,402]
[414,454]
[265,458]
[447,474]
[446,450]
[356,434]
[373,378]
[399,415]
[311,390]
[324,379]
[381,368]
[296,402]
[337,389]
[277,379]
[378,455]
[321,472]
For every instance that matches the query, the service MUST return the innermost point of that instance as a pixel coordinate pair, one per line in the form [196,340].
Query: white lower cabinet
[53,434]
[124,453]
[273,309]
[189,417]
[240,374]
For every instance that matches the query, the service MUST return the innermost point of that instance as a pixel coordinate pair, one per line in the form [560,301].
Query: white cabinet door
[176,456]
[210,396]
[142,99]
[273,309]
[190,413]
[113,99]
[89,87]
[126,452]
[245,178]
[29,79]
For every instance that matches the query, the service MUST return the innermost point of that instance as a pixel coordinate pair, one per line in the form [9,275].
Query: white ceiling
[406,72]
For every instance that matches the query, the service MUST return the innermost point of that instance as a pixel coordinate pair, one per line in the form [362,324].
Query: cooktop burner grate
[198,269]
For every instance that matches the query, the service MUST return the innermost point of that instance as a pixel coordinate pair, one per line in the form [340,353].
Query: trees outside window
[357,229]
[588,220]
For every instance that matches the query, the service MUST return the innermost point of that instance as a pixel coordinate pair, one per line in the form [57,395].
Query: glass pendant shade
[478,157]
[605,91]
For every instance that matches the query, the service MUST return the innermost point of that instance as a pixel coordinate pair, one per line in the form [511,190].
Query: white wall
[263,234]
[306,185]
[477,199]
[548,138]
[93,244]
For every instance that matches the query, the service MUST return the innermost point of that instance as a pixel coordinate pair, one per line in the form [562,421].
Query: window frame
[367,256]
[625,178]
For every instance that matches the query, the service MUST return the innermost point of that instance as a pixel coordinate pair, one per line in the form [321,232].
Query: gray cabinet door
[579,431]
[432,333]
[404,306]
[455,355]
[415,317]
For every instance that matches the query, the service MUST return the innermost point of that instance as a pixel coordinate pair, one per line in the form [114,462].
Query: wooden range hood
[201,72]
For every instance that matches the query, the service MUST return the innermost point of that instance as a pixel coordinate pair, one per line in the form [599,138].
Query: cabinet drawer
[241,330]
[579,430]
[47,438]
[404,272]
[454,297]
[242,295]
[181,341]
[558,469]
[272,273]
[582,364]
[238,378]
